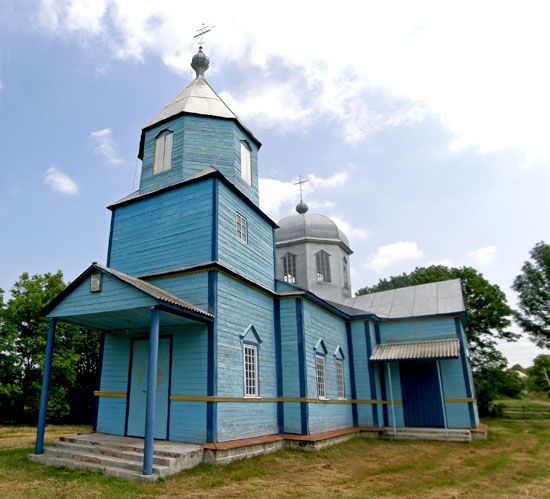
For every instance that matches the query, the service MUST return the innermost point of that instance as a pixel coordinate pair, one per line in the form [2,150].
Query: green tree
[493,383]
[533,289]
[539,374]
[488,311]
[23,335]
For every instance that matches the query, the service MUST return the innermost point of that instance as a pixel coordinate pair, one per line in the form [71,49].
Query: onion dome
[200,63]
[310,227]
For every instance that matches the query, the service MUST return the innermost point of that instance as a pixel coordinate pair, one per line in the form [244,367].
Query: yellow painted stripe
[119,395]
[199,398]
[461,400]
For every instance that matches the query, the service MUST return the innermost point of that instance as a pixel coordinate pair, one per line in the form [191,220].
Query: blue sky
[423,130]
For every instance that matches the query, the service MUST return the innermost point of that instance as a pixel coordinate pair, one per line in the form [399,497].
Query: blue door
[420,393]
[138,389]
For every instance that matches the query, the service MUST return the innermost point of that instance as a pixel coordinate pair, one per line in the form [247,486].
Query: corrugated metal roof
[444,297]
[151,290]
[434,349]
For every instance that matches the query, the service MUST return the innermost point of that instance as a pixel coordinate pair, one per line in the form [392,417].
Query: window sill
[252,397]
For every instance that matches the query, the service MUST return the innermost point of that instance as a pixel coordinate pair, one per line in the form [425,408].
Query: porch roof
[123,302]
[433,349]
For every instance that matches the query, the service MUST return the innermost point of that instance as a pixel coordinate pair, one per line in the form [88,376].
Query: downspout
[391,401]
[442,400]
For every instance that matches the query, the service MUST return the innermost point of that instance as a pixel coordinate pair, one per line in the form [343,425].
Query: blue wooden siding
[290,374]
[253,259]
[452,377]
[200,142]
[362,378]
[114,295]
[393,392]
[189,365]
[425,329]
[192,288]
[240,306]
[164,232]
[319,324]
[114,378]
[150,182]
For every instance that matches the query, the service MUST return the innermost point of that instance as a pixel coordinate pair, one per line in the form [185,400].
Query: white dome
[306,226]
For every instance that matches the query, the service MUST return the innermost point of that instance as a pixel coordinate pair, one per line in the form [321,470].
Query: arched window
[246,163]
[345,270]
[289,268]
[163,152]
[322,261]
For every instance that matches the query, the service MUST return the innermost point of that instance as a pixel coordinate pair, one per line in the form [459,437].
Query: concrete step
[100,468]
[119,456]
[127,446]
[102,460]
[452,435]
[130,455]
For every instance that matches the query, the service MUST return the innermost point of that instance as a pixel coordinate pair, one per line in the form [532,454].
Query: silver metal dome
[311,227]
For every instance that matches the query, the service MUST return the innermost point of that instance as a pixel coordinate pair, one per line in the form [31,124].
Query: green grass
[512,462]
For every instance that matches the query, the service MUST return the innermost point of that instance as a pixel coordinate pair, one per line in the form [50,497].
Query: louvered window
[345,270]
[322,260]
[246,163]
[163,152]
[289,268]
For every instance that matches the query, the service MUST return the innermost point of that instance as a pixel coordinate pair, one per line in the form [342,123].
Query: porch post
[442,400]
[41,427]
[391,399]
[151,393]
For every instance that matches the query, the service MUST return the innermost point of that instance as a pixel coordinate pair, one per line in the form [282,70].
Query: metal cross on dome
[300,182]
[202,31]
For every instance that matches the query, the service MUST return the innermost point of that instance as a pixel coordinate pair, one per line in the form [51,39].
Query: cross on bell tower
[201,32]
[301,207]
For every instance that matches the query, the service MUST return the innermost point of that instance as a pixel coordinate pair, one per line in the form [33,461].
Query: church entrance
[421,394]
[137,402]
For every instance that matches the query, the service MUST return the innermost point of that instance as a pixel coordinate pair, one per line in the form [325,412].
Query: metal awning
[435,349]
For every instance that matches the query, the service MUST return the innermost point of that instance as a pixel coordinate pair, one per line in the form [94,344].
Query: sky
[422,127]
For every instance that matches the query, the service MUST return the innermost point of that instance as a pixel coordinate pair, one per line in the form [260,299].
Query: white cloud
[483,256]
[337,180]
[105,146]
[388,255]
[60,181]
[348,229]
[278,198]
[447,60]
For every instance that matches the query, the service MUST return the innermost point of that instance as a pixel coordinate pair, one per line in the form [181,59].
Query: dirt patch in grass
[512,463]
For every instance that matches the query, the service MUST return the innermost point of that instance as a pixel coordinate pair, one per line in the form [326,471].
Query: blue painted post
[151,393]
[442,400]
[41,428]
[391,400]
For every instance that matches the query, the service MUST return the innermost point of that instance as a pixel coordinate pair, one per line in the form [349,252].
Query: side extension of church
[220,324]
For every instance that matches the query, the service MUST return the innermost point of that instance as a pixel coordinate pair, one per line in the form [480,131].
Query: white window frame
[162,157]
[289,268]
[241,227]
[322,267]
[246,162]
[250,371]
[340,379]
[321,375]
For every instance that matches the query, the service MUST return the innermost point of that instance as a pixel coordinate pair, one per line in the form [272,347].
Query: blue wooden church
[222,327]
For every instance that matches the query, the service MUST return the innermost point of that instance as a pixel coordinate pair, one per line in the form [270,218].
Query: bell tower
[195,131]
